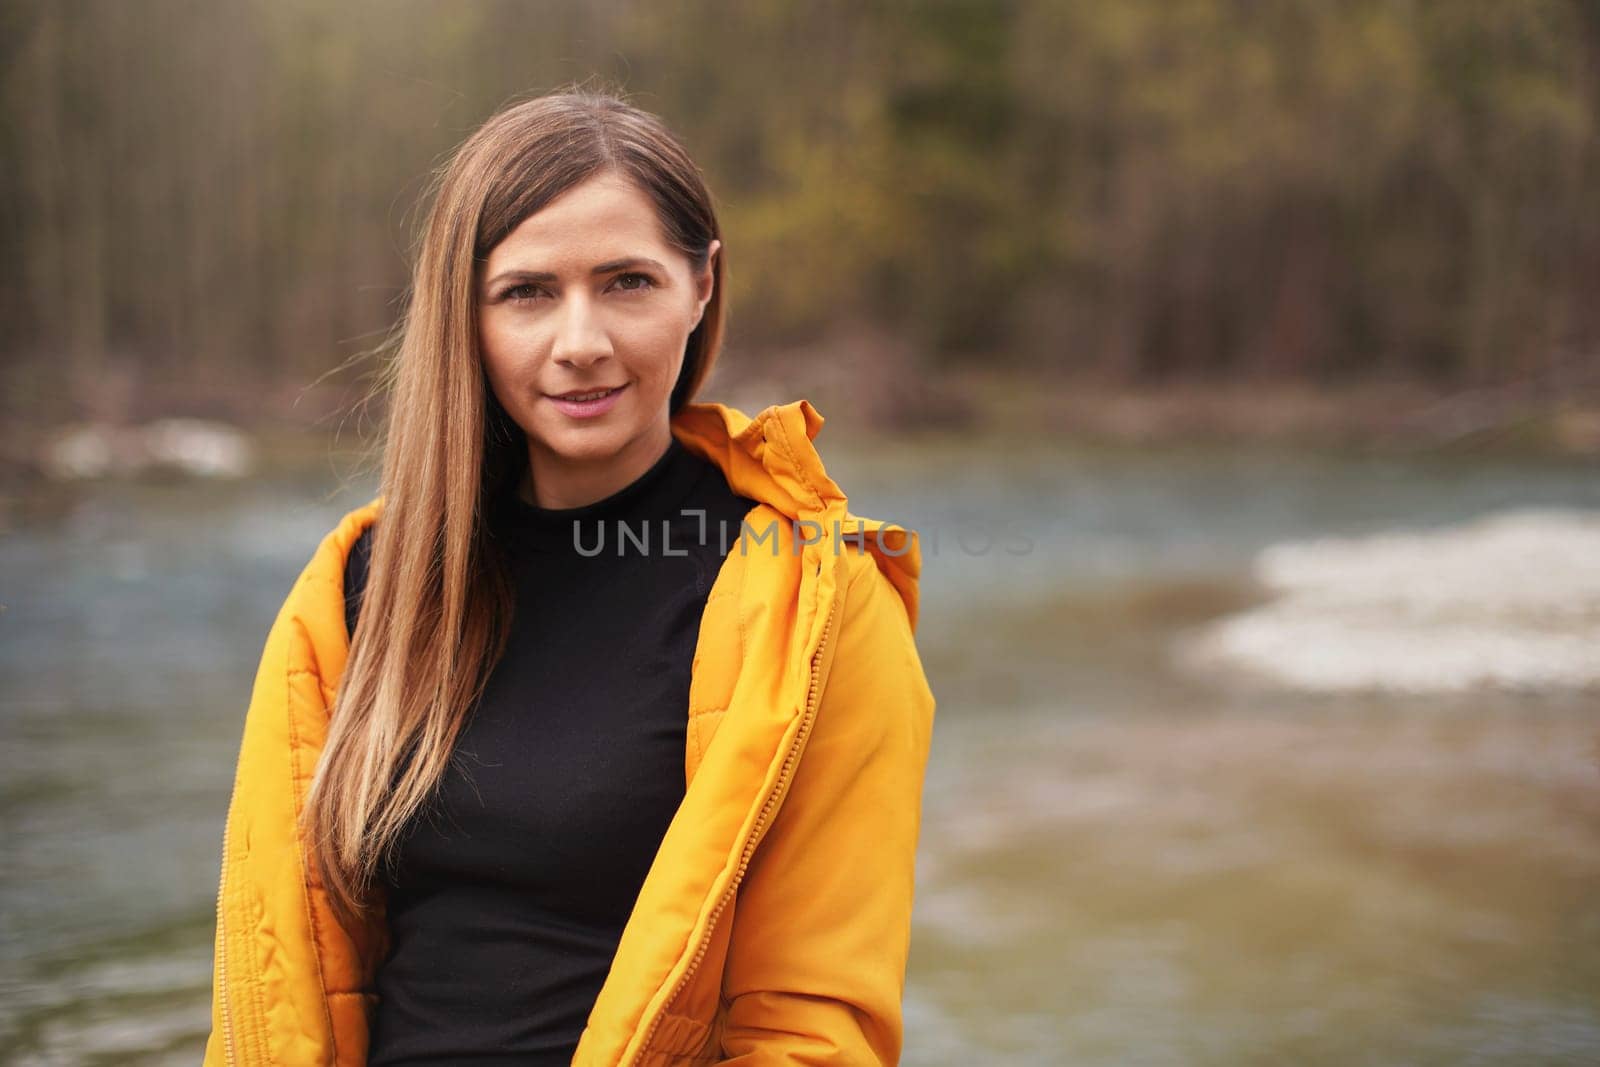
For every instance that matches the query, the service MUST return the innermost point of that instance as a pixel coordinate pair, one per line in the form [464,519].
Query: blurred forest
[207,206]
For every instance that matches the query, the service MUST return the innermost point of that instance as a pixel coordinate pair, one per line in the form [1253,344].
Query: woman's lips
[588,409]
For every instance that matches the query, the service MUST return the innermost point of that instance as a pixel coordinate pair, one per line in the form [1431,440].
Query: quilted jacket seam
[259,995]
[296,748]
[738,610]
[800,472]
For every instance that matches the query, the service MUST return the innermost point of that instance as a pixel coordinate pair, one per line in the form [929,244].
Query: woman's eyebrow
[608,267]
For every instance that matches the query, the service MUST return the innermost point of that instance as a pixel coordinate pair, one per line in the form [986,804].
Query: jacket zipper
[222,948]
[789,761]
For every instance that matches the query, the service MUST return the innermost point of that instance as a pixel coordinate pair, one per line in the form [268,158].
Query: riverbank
[327,423]
[1367,417]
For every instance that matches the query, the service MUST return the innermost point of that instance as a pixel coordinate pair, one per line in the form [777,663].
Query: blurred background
[1238,360]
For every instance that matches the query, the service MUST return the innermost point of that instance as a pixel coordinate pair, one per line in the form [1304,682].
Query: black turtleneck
[508,899]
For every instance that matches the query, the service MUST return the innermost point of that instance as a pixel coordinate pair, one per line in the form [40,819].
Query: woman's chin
[585,444]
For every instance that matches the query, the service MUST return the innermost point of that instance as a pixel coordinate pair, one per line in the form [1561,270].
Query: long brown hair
[437,607]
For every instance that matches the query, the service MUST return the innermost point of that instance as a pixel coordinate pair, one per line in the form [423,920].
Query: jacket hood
[772,458]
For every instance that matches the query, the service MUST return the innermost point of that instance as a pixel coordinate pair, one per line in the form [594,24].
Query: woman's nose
[580,335]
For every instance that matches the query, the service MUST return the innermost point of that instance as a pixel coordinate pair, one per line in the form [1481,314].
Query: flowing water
[1240,757]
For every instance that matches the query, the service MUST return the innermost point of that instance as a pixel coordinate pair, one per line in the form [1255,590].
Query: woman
[520,783]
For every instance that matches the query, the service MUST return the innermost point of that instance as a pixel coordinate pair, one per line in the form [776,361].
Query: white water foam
[1511,600]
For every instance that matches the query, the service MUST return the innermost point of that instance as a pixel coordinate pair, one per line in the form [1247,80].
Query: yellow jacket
[774,923]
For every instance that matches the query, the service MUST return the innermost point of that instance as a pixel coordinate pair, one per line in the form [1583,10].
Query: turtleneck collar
[654,495]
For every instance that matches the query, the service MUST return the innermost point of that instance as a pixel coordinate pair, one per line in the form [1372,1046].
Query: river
[1213,780]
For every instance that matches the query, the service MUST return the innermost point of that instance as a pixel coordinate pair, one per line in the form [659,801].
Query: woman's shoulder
[339,561]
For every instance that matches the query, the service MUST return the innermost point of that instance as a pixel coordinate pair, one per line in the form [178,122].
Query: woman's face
[585,296]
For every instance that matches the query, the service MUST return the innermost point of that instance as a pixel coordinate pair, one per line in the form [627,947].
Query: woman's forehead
[606,218]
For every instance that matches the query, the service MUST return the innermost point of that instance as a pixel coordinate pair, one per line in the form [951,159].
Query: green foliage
[1193,188]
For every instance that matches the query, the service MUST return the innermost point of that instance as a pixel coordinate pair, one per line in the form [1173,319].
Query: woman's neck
[565,484]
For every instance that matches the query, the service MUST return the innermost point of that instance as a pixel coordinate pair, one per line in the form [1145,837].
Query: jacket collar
[771,458]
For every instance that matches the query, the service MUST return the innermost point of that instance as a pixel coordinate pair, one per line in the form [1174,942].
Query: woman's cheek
[510,354]
[659,344]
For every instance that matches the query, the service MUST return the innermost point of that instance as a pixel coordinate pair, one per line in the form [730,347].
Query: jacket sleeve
[822,925]
[281,966]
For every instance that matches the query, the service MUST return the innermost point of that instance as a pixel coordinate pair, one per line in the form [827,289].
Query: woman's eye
[631,282]
[641,281]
